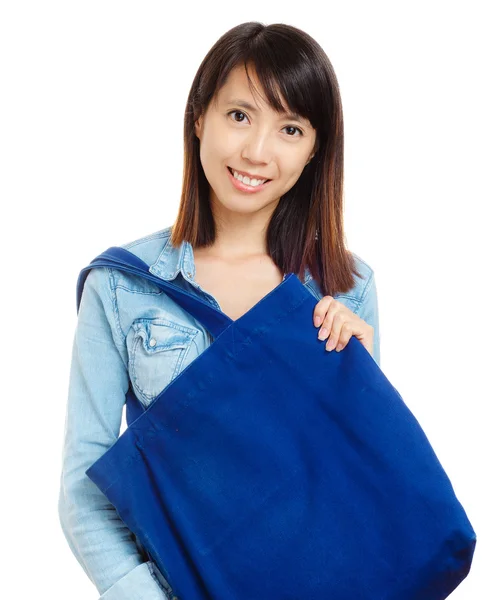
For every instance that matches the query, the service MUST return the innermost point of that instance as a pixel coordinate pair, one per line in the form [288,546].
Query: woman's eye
[239,112]
[296,129]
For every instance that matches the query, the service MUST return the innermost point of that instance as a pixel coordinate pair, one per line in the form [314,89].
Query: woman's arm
[98,538]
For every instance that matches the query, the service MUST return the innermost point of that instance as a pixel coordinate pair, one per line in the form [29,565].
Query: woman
[262,196]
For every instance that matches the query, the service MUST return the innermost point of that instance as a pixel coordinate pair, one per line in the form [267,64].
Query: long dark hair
[306,228]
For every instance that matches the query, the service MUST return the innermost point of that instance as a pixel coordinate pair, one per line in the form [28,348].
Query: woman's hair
[306,228]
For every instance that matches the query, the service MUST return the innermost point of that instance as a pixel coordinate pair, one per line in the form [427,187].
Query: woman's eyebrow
[248,106]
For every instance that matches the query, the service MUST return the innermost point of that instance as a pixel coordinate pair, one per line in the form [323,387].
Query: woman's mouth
[247,187]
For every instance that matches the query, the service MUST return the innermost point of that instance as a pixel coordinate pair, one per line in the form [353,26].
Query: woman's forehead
[236,90]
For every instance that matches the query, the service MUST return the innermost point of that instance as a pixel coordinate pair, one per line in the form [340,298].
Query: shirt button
[153,341]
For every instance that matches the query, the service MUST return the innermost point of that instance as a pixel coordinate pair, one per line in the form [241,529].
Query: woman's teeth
[246,180]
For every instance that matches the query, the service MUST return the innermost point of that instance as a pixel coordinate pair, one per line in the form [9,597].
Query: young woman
[262,196]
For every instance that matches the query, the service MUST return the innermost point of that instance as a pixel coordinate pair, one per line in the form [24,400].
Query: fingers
[332,321]
[321,309]
[343,338]
[338,330]
[334,325]
[337,324]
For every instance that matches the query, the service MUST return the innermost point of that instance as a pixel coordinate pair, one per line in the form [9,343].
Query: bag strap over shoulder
[115,257]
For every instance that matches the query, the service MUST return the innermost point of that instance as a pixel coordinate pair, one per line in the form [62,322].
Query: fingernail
[339,347]
[317,321]
[323,332]
[330,345]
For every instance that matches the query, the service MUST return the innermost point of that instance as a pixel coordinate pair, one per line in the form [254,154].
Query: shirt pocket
[157,349]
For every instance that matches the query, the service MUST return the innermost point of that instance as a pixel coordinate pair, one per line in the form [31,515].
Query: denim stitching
[138,338]
[115,308]
[367,287]
[132,361]
[135,372]
[191,331]
[151,293]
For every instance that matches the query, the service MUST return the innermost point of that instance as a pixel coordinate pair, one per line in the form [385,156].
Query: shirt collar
[172,261]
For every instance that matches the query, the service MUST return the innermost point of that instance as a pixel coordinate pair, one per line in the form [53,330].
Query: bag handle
[116,257]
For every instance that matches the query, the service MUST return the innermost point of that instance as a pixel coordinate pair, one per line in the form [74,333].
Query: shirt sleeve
[101,542]
[368,311]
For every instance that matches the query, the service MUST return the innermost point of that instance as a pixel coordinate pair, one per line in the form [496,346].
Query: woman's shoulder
[363,281]
[154,250]
[150,246]
[354,297]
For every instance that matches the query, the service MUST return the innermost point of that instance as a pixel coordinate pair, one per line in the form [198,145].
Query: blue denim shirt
[128,330]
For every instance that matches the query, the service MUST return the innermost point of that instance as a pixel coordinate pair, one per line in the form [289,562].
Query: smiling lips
[247,187]
[249,175]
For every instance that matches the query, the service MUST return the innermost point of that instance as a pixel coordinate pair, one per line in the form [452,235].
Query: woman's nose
[258,148]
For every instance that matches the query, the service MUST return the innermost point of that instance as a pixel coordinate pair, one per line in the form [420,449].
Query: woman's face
[250,139]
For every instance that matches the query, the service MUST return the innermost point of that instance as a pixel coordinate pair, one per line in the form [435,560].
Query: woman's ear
[316,146]
[198,127]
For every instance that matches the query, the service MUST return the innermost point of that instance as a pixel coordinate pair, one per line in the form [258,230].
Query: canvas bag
[271,469]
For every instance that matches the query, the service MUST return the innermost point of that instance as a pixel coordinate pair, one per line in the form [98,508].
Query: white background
[91,149]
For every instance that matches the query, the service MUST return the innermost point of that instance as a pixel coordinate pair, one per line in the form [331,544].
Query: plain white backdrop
[91,155]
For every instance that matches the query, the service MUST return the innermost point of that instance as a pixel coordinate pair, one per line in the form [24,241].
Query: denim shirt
[130,332]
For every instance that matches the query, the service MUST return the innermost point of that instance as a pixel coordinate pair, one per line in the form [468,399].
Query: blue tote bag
[271,469]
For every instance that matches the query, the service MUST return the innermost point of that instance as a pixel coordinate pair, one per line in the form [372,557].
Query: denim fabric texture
[129,331]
